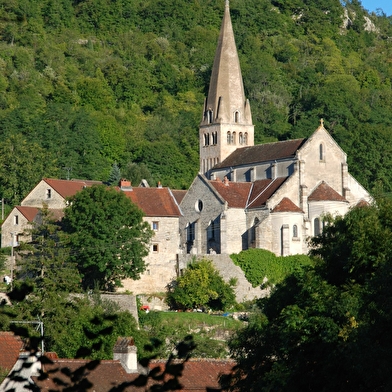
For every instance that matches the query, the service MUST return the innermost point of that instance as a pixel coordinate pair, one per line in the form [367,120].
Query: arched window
[206,139]
[321,152]
[295,231]
[237,116]
[209,116]
[246,138]
[228,138]
[211,231]
[233,138]
[253,232]
[241,138]
[317,227]
[214,138]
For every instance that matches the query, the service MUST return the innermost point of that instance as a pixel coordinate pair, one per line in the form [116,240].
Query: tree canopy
[326,327]
[107,235]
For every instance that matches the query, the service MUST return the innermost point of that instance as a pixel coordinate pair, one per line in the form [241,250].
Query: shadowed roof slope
[262,153]
[235,193]
[325,193]
[154,201]
[263,190]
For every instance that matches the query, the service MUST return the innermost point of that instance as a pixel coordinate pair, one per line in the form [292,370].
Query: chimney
[125,184]
[226,181]
[126,352]
[159,184]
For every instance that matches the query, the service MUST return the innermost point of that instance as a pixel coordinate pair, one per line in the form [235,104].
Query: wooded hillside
[85,84]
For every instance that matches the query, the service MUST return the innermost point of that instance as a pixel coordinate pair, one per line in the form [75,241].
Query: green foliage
[262,267]
[201,286]
[108,237]
[329,319]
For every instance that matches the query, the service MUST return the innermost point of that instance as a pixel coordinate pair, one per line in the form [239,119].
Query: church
[272,196]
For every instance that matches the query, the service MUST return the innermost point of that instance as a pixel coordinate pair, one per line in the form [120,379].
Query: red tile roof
[235,193]
[10,348]
[154,201]
[286,205]
[67,188]
[28,212]
[262,153]
[197,375]
[263,190]
[179,195]
[325,193]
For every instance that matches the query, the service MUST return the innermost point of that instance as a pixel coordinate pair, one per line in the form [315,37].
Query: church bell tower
[227,120]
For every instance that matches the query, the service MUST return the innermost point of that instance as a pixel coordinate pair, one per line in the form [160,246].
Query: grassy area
[210,332]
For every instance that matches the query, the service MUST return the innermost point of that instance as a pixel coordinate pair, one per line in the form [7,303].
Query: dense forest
[91,85]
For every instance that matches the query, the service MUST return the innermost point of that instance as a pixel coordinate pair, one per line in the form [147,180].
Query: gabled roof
[197,375]
[67,188]
[286,205]
[324,192]
[28,212]
[10,348]
[262,153]
[234,193]
[263,190]
[154,201]
[179,195]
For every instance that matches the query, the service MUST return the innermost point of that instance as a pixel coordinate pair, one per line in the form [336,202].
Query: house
[124,372]
[17,364]
[272,196]
[50,192]
[161,210]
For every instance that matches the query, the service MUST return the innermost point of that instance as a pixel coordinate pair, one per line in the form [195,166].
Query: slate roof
[325,193]
[286,205]
[28,212]
[179,195]
[10,348]
[197,375]
[154,201]
[262,153]
[67,188]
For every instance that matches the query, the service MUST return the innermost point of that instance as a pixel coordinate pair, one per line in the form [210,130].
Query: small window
[321,152]
[155,248]
[199,206]
[16,219]
[246,138]
[155,226]
[317,227]
[206,139]
[209,116]
[233,138]
[241,138]
[237,116]
[295,231]
[48,193]
[148,272]
[228,137]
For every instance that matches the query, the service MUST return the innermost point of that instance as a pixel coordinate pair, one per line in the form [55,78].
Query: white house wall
[9,226]
[39,196]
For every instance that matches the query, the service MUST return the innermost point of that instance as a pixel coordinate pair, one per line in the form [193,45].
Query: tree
[108,237]
[326,327]
[201,286]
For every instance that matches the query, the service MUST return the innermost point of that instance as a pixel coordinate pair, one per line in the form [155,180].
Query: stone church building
[272,196]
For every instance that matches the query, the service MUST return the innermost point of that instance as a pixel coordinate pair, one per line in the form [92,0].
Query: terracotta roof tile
[179,195]
[28,212]
[325,193]
[67,188]
[154,201]
[263,190]
[286,205]
[262,153]
[197,375]
[10,348]
[235,193]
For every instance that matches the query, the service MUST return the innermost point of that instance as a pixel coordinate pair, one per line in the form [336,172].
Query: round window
[199,206]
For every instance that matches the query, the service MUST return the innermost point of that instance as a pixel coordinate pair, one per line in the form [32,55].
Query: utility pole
[40,325]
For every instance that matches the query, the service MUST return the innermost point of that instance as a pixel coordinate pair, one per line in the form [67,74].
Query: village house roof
[10,348]
[28,212]
[154,201]
[262,190]
[286,205]
[262,153]
[179,195]
[197,375]
[67,188]
[324,192]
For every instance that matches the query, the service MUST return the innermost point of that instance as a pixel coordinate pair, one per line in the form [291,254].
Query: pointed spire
[226,95]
